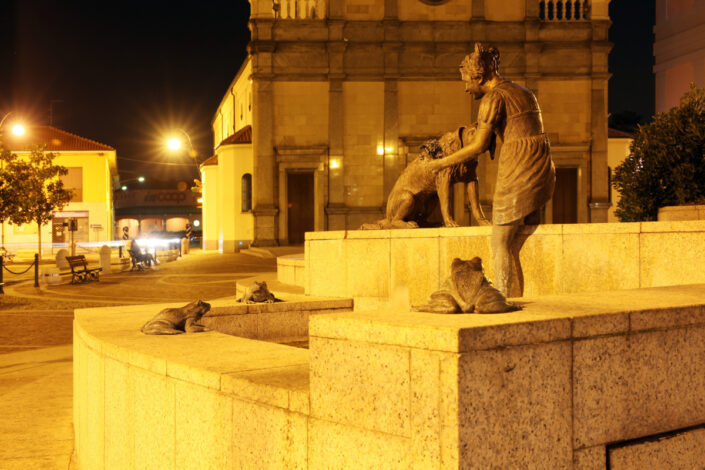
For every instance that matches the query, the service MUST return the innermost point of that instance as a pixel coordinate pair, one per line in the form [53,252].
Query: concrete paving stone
[36,386]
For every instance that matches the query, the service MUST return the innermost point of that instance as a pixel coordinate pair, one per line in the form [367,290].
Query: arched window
[246,192]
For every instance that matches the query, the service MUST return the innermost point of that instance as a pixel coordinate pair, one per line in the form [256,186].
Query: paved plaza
[35,341]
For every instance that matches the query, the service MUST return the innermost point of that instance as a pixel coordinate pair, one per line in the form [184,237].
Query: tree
[33,188]
[666,165]
[10,200]
[626,121]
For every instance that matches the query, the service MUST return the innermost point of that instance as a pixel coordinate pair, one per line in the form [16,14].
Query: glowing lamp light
[334,164]
[124,188]
[18,130]
[199,200]
[388,149]
[141,179]
[173,143]
[196,223]
[380,150]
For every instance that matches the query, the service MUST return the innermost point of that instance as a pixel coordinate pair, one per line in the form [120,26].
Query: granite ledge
[541,320]
[263,371]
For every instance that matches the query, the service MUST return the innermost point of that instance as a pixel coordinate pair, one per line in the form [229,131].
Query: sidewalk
[36,429]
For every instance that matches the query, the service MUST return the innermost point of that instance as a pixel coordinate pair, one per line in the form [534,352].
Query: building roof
[55,140]
[614,133]
[213,160]
[243,136]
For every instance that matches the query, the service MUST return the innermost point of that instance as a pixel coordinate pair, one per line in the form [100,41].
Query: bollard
[36,270]
[105,255]
[1,269]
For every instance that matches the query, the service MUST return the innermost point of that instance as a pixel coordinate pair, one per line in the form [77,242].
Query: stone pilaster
[599,190]
[335,9]
[336,188]
[390,9]
[392,164]
[532,10]
[264,188]
[478,9]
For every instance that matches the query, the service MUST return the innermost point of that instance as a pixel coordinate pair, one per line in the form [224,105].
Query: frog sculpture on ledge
[467,290]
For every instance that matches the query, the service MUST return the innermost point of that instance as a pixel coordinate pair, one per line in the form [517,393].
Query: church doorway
[300,209]
[565,196]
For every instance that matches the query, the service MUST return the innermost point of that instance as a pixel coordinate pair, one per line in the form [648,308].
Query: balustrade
[298,9]
[564,10]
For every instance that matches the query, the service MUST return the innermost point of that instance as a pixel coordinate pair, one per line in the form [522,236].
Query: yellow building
[339,94]
[619,147]
[91,169]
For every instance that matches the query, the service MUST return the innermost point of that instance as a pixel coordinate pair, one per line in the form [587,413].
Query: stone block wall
[553,259]
[301,118]
[584,381]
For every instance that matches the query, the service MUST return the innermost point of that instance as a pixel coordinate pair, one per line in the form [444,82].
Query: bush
[666,165]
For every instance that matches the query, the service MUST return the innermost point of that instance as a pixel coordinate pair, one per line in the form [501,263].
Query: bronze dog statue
[412,199]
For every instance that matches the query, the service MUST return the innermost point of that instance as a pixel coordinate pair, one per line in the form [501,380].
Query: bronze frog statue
[467,290]
[258,293]
[175,321]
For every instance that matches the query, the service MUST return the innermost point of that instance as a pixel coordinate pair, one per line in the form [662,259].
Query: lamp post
[123,185]
[174,144]
[17,130]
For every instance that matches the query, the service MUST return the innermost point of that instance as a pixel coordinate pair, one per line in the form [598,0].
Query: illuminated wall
[350,97]
[679,49]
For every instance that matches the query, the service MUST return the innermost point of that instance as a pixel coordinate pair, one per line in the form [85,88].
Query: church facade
[336,96]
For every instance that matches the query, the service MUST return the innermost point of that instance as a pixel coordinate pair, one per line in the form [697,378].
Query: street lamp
[174,143]
[139,179]
[18,130]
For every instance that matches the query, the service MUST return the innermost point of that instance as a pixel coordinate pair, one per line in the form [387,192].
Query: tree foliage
[31,188]
[666,165]
[8,203]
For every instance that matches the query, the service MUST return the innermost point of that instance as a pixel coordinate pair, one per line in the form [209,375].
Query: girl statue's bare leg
[502,237]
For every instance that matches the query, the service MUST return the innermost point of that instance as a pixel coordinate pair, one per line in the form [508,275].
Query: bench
[140,260]
[80,272]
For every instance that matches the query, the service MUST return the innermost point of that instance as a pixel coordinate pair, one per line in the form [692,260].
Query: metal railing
[564,10]
[3,268]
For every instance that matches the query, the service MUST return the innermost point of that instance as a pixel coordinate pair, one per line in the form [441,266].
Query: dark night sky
[128,71]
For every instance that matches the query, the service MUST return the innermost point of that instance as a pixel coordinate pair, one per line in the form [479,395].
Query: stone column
[532,9]
[392,160]
[390,9]
[264,187]
[336,188]
[600,48]
[392,165]
[478,9]
[335,206]
[335,9]
[599,189]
